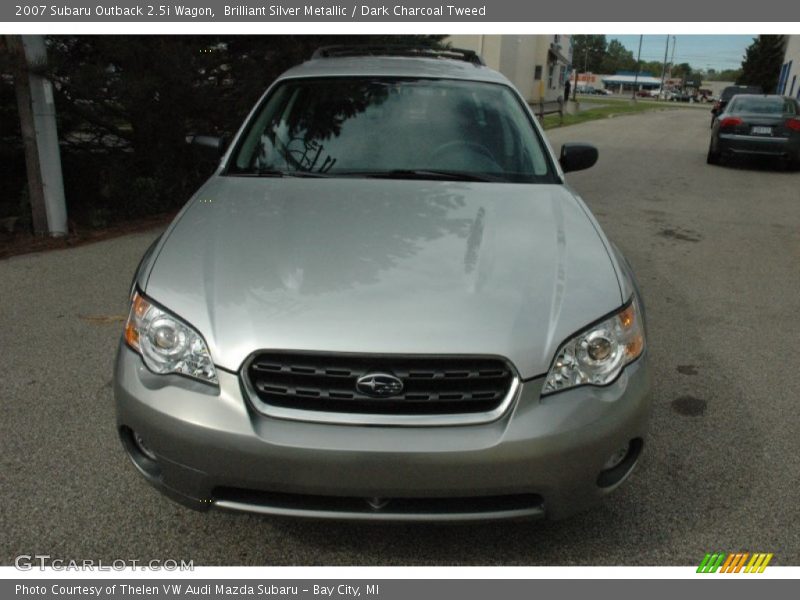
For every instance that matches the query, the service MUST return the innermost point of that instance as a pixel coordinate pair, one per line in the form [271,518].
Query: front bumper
[543,457]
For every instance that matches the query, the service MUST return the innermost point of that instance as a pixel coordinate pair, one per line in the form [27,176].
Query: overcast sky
[701,51]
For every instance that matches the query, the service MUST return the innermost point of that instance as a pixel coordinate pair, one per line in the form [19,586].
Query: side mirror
[209,142]
[577,157]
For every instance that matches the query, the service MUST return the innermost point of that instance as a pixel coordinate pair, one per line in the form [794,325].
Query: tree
[618,58]
[682,71]
[588,52]
[13,190]
[652,67]
[762,62]
[126,104]
[724,75]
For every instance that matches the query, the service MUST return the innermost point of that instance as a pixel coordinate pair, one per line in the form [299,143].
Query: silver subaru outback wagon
[386,303]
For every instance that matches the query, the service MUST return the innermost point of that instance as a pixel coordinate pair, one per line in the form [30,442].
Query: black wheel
[713,158]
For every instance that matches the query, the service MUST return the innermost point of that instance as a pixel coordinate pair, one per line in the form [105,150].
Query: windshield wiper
[285,173]
[430,174]
[267,173]
[433,174]
[313,174]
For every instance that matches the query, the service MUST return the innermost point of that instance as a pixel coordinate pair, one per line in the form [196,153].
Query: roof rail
[469,56]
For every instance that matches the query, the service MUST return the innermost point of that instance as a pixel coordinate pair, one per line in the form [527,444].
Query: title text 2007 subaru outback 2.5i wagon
[386,304]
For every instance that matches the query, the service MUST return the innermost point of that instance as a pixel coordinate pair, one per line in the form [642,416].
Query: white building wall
[789,83]
[537,65]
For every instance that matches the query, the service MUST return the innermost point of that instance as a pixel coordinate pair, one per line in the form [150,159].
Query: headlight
[167,344]
[597,355]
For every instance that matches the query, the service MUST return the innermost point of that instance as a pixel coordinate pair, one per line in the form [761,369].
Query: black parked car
[728,93]
[757,126]
[681,97]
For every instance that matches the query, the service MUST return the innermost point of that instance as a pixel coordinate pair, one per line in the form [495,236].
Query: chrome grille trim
[378,419]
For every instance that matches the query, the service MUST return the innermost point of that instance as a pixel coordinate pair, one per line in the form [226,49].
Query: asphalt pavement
[716,250]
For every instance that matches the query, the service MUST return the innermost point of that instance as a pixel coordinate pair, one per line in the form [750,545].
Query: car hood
[385,266]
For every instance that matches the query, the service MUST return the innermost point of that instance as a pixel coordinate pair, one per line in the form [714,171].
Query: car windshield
[762,105]
[398,128]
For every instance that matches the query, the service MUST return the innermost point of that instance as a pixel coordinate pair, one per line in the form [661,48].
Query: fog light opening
[617,457]
[620,464]
[140,453]
[142,447]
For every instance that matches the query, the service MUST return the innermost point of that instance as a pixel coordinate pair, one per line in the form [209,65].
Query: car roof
[732,90]
[775,97]
[395,66]
[743,87]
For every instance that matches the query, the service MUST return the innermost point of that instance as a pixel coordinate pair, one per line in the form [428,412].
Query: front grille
[432,385]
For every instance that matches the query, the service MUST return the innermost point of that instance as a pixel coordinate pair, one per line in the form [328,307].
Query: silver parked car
[386,303]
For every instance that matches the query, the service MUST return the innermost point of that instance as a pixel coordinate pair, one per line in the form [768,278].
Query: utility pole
[664,69]
[638,68]
[575,87]
[672,58]
[39,135]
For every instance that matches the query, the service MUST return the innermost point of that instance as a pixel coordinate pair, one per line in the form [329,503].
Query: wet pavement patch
[103,319]
[684,235]
[686,369]
[689,406]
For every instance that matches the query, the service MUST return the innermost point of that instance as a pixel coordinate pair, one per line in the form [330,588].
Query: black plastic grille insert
[431,384]
[408,506]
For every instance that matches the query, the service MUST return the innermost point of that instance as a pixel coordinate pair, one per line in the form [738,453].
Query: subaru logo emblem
[379,385]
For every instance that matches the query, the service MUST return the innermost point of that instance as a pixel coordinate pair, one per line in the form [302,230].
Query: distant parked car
[593,91]
[681,96]
[728,93]
[757,125]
